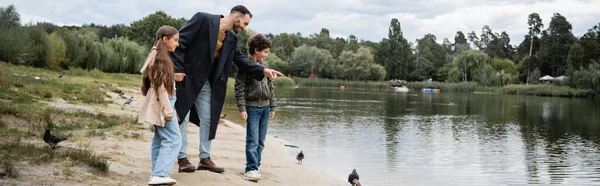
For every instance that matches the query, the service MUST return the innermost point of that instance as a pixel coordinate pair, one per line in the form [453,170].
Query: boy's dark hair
[259,42]
[241,9]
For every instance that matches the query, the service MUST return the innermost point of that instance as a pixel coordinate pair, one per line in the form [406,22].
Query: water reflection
[443,139]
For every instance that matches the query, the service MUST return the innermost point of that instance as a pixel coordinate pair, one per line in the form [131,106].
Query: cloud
[366,19]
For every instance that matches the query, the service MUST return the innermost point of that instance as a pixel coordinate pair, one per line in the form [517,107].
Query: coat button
[203,42]
[221,79]
[221,95]
[199,62]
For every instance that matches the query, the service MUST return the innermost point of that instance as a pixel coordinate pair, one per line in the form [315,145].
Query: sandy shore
[129,157]
[228,151]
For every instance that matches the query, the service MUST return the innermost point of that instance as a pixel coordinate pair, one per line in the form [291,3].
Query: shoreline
[229,152]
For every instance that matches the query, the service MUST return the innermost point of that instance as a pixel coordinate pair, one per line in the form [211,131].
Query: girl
[256,102]
[158,109]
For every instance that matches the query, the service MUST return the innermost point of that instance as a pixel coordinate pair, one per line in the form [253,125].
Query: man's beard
[236,27]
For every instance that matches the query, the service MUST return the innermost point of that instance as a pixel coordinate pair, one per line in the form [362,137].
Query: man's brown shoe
[185,165]
[207,164]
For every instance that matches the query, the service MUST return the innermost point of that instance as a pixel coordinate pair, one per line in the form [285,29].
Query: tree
[535,26]
[38,46]
[590,42]
[535,76]
[144,31]
[468,61]
[57,57]
[575,57]
[9,17]
[284,45]
[505,65]
[360,65]
[448,50]
[274,62]
[556,43]
[307,60]
[429,56]
[352,43]
[397,53]
[460,43]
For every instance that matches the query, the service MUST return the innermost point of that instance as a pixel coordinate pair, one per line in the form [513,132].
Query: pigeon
[123,95]
[52,140]
[223,116]
[353,176]
[300,157]
[103,85]
[60,76]
[129,100]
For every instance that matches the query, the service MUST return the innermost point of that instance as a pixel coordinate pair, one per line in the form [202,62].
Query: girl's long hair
[161,71]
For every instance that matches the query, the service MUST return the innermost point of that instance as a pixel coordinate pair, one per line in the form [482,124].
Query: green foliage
[57,57]
[284,82]
[38,46]
[587,78]
[310,59]
[332,83]
[539,90]
[274,62]
[462,87]
[397,55]
[144,31]
[468,62]
[9,17]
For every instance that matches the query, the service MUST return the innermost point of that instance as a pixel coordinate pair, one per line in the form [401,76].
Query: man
[203,60]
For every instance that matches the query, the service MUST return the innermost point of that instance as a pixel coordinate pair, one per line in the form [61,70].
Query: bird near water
[300,157]
[353,176]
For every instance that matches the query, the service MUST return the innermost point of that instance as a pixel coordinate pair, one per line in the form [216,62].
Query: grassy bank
[533,90]
[464,87]
[23,118]
[538,90]
[331,83]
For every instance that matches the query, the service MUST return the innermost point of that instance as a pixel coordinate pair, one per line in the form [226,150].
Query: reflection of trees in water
[550,129]
[394,104]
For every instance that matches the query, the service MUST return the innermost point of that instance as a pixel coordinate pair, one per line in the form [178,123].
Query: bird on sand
[129,100]
[300,157]
[51,139]
[353,176]
[123,95]
[223,116]
[60,76]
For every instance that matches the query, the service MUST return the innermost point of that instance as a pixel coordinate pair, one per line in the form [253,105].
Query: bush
[463,87]
[284,82]
[306,82]
[38,46]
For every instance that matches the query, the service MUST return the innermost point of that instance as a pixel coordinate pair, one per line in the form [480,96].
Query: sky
[366,19]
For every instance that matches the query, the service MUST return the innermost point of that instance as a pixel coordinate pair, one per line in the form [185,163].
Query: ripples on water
[443,140]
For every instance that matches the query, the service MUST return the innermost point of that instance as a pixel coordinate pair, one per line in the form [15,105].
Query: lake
[416,138]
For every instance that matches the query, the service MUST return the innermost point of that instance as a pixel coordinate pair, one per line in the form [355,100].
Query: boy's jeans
[256,132]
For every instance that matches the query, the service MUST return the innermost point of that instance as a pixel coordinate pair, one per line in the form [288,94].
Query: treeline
[485,57]
[116,48]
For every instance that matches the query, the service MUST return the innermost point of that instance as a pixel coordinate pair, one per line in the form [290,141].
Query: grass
[538,90]
[15,151]
[76,85]
[21,90]
[463,87]
[331,83]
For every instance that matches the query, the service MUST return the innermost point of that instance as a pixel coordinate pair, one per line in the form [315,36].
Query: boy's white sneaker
[252,176]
